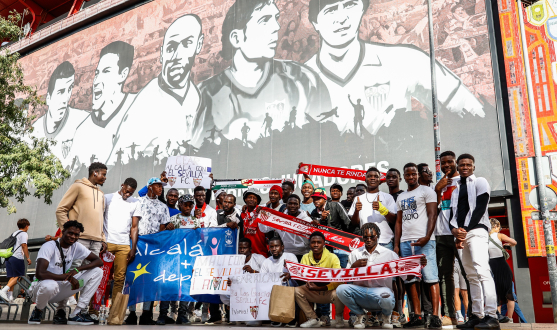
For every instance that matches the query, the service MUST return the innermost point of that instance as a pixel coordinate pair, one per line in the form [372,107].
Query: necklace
[368,199]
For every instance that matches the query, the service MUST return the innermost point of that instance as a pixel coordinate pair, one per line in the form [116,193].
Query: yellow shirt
[328,260]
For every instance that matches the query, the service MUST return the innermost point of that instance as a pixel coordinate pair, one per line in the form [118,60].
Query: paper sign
[210,273]
[250,295]
[188,172]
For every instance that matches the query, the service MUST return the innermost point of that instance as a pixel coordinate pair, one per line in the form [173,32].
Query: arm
[134,233]
[357,208]
[66,205]
[504,238]
[26,252]
[42,274]
[350,100]
[481,206]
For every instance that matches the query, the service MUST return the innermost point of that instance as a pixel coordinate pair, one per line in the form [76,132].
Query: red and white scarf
[335,172]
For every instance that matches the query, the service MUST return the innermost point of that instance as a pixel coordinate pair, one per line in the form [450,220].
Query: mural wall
[541,36]
[260,85]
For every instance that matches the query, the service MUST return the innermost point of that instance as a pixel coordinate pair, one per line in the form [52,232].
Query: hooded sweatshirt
[83,202]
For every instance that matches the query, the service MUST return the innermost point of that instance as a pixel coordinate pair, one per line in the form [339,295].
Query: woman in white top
[501,271]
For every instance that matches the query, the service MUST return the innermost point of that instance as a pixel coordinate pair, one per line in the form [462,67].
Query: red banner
[399,267]
[338,239]
[335,172]
[98,298]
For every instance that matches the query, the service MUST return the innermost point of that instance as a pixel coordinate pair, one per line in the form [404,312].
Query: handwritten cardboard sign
[188,172]
[210,273]
[250,295]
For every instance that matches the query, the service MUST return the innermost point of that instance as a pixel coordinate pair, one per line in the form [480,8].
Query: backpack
[6,247]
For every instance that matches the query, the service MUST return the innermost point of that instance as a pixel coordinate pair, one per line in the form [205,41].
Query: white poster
[250,295]
[210,273]
[188,172]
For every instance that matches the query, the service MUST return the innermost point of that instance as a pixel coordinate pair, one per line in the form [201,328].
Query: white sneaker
[72,301]
[395,320]
[313,323]
[204,317]
[360,322]
[325,321]
[4,296]
[460,319]
[386,319]
[338,321]
[351,320]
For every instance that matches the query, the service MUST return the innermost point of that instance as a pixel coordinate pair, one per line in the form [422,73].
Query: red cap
[278,189]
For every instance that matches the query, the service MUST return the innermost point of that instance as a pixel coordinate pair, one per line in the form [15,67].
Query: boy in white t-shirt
[15,267]
[416,219]
[55,281]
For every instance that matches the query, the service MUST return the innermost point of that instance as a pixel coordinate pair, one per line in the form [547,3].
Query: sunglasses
[373,237]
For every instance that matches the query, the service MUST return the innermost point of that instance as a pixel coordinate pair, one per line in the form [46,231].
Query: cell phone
[81,283]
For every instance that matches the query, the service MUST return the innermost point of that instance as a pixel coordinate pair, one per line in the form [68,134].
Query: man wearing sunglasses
[425,176]
[370,294]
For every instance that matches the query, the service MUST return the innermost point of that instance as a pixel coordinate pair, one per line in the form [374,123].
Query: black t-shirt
[395,195]
[346,204]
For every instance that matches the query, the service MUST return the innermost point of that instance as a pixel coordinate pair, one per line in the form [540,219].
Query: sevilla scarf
[335,172]
[399,267]
[335,238]
[202,211]
[108,261]
[249,183]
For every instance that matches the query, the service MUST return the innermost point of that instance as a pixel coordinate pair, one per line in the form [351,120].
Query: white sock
[75,311]
[10,295]
[6,288]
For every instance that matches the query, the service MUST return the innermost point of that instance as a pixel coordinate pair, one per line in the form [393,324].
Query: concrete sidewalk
[50,326]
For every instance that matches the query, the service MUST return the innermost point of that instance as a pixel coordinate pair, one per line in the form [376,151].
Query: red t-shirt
[256,236]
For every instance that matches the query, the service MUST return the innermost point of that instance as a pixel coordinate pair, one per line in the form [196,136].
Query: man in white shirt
[375,206]
[15,267]
[417,212]
[119,225]
[370,294]
[206,214]
[470,225]
[55,282]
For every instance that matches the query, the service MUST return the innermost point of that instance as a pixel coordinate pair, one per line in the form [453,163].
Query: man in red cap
[275,199]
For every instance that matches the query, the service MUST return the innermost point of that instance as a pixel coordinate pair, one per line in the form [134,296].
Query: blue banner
[163,264]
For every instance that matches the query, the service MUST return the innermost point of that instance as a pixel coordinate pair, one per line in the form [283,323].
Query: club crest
[171,180]
[254,310]
[216,282]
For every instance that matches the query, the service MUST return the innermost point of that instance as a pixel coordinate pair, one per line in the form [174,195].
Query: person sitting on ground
[55,283]
[320,293]
[370,294]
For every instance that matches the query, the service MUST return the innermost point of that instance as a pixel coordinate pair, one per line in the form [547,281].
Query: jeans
[429,272]
[475,260]
[517,310]
[390,245]
[342,257]
[357,298]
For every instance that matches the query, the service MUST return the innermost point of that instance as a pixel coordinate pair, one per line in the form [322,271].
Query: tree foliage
[27,165]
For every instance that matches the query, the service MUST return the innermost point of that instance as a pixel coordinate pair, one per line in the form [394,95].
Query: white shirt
[442,225]
[379,255]
[256,261]
[118,215]
[49,252]
[272,265]
[210,218]
[414,213]
[21,239]
[368,214]
[294,244]
[476,187]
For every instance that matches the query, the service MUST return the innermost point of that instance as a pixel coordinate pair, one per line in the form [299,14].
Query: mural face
[260,85]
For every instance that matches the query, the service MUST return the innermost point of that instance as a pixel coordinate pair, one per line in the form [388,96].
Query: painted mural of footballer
[371,83]
[256,94]
[171,95]
[110,103]
[60,120]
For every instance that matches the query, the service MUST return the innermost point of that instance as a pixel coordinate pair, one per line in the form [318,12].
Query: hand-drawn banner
[210,273]
[188,172]
[400,267]
[250,295]
[163,264]
[333,237]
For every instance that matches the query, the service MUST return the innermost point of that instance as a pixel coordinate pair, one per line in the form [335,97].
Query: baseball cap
[252,191]
[320,193]
[186,198]
[220,191]
[154,180]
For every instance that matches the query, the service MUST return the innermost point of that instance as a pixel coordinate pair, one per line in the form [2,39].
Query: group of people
[447,224]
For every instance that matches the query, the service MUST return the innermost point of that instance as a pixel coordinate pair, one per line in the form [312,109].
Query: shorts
[15,267]
[430,272]
[459,282]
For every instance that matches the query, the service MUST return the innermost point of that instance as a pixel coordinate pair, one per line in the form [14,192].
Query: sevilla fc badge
[254,310]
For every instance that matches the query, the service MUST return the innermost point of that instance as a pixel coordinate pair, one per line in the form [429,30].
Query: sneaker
[459,319]
[146,318]
[372,321]
[448,322]
[292,324]
[426,319]
[276,324]
[253,324]
[503,319]
[131,319]
[351,320]
[4,296]
[403,319]
[435,322]
[360,322]
[386,321]
[72,301]
[338,321]
[80,319]
[182,319]
[313,323]
[395,320]
[204,317]
[325,321]
[488,323]
[471,323]
[91,317]
[36,316]
[60,317]
[416,321]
